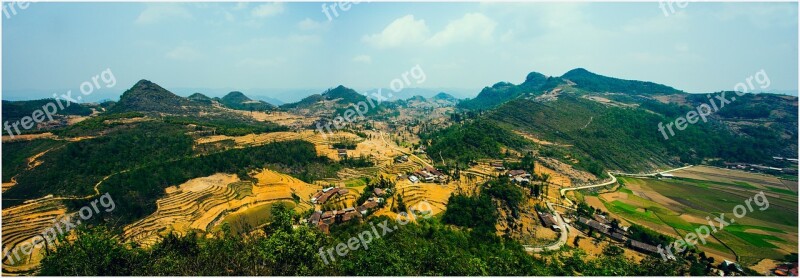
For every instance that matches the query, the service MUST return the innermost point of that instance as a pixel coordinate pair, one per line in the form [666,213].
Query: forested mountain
[146,96]
[615,123]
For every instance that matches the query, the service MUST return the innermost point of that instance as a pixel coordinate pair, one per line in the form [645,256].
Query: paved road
[562,238]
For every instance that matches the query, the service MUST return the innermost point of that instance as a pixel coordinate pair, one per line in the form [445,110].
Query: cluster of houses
[324,195]
[602,225]
[761,168]
[519,176]
[786,269]
[427,174]
[323,220]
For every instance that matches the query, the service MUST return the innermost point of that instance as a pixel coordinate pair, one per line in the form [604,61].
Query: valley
[557,167]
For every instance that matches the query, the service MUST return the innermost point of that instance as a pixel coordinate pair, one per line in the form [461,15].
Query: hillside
[614,122]
[501,92]
[14,111]
[238,101]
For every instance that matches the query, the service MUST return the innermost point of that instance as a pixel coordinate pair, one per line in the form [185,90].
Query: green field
[703,198]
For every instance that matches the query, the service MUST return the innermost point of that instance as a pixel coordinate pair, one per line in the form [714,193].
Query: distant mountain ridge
[578,79]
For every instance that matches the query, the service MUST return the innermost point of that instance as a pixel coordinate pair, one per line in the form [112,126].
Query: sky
[291,48]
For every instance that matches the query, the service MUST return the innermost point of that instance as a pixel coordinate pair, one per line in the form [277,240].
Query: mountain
[592,82]
[439,100]
[580,80]
[238,101]
[596,122]
[201,98]
[332,101]
[501,92]
[146,96]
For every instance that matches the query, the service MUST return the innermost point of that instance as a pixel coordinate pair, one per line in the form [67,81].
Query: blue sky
[248,46]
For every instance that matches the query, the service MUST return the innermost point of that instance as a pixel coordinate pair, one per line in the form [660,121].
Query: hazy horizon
[703,47]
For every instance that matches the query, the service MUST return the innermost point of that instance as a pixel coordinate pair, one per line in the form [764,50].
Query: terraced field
[202,203]
[22,224]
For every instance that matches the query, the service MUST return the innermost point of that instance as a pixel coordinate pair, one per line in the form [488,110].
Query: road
[562,239]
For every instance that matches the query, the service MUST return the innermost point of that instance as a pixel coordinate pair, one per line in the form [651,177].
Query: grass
[355,182]
[631,212]
[782,191]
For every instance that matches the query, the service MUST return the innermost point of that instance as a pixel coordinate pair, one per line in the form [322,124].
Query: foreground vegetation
[424,248]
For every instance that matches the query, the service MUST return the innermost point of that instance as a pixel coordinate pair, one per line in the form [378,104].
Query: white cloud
[309,24]
[183,53]
[156,12]
[268,9]
[366,59]
[472,27]
[402,31]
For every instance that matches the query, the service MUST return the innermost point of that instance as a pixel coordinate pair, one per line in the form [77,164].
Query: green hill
[592,82]
[146,96]
[238,101]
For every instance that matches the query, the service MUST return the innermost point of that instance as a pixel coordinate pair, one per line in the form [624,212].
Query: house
[616,235]
[497,166]
[732,266]
[315,217]
[322,197]
[424,175]
[665,176]
[342,153]
[520,180]
[547,219]
[401,159]
[413,178]
[378,192]
[595,225]
[364,208]
[643,247]
[518,173]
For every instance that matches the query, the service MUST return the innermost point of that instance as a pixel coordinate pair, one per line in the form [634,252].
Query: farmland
[678,206]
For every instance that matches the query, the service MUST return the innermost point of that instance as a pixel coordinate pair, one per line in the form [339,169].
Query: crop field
[21,224]
[203,203]
[676,207]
